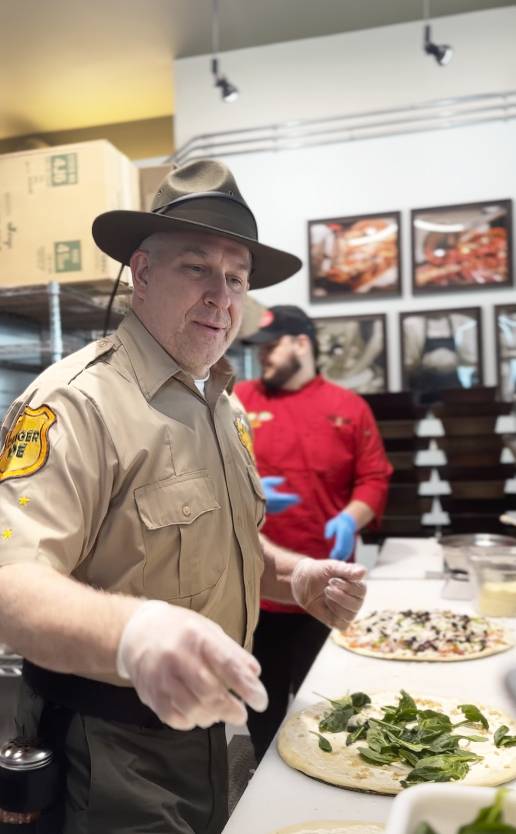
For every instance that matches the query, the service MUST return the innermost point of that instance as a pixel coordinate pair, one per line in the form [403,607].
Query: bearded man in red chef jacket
[325,474]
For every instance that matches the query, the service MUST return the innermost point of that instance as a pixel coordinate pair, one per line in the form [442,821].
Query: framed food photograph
[462,247]
[441,349]
[355,257]
[505,326]
[353,352]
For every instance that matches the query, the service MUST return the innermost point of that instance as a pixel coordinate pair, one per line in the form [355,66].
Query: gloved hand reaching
[277,501]
[186,668]
[344,527]
[330,591]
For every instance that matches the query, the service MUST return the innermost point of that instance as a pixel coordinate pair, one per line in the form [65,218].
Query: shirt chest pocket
[258,494]
[185,552]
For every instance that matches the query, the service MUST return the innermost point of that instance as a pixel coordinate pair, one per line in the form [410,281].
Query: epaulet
[102,346]
[90,354]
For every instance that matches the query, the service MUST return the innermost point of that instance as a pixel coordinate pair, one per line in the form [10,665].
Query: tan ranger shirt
[117,471]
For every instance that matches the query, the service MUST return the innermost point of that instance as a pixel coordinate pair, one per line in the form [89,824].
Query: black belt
[82,695]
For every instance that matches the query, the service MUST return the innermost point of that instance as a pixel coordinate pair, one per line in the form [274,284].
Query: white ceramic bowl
[443,806]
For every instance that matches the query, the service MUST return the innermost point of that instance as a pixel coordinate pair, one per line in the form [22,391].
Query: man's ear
[304,342]
[139,264]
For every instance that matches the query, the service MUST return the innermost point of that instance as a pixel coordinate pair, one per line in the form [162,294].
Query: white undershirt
[200,383]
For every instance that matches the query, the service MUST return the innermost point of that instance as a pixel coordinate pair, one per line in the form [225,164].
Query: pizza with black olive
[423,635]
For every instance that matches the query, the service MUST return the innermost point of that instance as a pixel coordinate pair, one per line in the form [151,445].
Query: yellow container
[494,583]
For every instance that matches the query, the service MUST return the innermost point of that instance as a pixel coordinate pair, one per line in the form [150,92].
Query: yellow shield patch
[26,447]
[244,434]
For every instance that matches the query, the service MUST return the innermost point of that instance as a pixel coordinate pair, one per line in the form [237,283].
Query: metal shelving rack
[68,315]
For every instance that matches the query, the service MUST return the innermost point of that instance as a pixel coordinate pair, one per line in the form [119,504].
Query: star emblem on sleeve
[6,534]
[23,500]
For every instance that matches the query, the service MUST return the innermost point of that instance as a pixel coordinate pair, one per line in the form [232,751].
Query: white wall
[458,165]
[347,73]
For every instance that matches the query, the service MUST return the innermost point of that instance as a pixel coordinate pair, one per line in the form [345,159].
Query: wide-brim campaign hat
[199,196]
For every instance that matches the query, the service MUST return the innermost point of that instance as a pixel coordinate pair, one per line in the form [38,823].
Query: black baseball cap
[282,320]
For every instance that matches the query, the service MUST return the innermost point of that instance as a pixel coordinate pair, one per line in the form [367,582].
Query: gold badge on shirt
[244,434]
[26,447]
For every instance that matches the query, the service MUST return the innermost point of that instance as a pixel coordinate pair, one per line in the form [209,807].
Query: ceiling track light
[228,91]
[442,52]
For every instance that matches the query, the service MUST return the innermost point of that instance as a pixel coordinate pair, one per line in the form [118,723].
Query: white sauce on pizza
[423,635]
[298,746]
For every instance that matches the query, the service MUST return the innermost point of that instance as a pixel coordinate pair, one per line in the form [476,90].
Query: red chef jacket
[324,441]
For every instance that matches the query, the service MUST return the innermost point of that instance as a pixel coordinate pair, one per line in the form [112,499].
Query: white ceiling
[68,64]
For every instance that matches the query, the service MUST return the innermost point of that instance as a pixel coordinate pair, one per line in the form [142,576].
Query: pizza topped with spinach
[382,742]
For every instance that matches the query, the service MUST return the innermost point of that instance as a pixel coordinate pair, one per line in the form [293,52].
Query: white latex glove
[329,590]
[183,667]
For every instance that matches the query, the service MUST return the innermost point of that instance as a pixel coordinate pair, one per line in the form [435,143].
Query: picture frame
[461,247]
[505,329]
[355,257]
[353,352]
[441,349]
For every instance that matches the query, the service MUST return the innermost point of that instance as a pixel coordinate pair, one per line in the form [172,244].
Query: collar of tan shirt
[153,366]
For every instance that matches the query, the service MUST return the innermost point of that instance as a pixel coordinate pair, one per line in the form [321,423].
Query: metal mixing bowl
[457,548]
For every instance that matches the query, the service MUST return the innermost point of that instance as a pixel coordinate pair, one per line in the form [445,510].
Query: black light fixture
[442,52]
[228,91]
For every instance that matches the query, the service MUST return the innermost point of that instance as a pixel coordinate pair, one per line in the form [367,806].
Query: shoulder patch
[244,435]
[25,450]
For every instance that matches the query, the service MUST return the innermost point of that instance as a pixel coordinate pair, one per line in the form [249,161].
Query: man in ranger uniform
[322,461]
[131,564]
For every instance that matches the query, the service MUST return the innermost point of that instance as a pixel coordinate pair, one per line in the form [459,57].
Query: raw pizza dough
[333,827]
[455,636]
[344,766]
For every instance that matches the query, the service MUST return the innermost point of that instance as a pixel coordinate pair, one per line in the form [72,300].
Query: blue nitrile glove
[343,526]
[277,501]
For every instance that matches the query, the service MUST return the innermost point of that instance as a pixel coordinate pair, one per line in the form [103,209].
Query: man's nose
[217,293]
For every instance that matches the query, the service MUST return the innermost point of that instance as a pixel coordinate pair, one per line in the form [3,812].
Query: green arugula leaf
[408,758]
[344,708]
[336,703]
[405,711]
[324,744]
[445,743]
[432,724]
[360,700]
[376,757]
[336,721]
[473,716]
[357,733]
[502,739]
[441,768]
[424,828]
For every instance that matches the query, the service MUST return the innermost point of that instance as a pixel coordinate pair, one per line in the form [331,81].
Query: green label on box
[67,256]
[64,169]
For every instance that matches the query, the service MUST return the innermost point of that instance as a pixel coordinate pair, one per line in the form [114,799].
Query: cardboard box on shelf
[150,179]
[48,200]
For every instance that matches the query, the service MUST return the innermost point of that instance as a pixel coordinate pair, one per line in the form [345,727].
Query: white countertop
[277,795]
[408,559]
